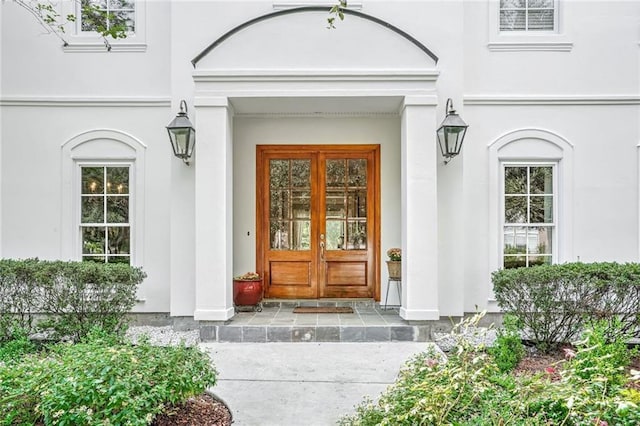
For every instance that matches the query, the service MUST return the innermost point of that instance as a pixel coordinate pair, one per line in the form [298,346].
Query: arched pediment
[530,143]
[103,143]
[297,39]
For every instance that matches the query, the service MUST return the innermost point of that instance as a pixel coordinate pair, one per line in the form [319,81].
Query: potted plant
[247,290]
[394,264]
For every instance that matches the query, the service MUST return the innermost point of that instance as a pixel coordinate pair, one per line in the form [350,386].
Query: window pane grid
[120,12]
[528,215]
[529,15]
[104,220]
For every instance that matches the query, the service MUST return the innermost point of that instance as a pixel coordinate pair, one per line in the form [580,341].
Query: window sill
[101,47]
[530,46]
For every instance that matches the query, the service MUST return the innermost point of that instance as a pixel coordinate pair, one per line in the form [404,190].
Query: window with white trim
[84,36]
[105,202]
[529,218]
[528,15]
[119,12]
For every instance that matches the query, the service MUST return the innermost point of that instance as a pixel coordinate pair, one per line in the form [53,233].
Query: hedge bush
[554,303]
[67,298]
[100,381]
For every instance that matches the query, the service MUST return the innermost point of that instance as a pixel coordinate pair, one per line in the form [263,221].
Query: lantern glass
[451,133]
[182,134]
[450,140]
[182,141]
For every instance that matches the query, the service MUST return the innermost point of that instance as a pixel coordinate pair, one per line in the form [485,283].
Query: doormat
[322,310]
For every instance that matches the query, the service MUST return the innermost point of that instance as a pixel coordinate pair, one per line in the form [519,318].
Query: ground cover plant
[591,386]
[98,381]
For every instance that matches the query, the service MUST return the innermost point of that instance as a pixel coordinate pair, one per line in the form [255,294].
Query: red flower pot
[247,293]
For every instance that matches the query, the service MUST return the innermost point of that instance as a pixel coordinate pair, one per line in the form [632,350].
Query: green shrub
[17,347]
[97,382]
[602,359]
[554,303]
[508,349]
[468,389]
[19,296]
[591,389]
[67,298]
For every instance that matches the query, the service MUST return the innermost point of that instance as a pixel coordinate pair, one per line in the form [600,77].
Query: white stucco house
[316,149]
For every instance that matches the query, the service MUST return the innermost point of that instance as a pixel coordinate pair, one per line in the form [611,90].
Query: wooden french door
[318,220]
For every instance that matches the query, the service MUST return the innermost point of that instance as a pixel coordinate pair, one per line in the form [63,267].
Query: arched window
[103,197]
[530,198]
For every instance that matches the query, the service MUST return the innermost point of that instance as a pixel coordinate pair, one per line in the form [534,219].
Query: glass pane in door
[346,204]
[290,204]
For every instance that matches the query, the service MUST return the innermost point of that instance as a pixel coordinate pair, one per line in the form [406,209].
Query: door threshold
[292,303]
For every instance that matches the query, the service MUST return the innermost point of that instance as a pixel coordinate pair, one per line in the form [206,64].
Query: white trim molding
[419,314]
[551,99]
[324,114]
[70,101]
[314,83]
[530,46]
[100,47]
[290,4]
[221,314]
[313,75]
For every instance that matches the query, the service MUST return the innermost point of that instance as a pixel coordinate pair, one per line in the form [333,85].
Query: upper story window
[124,26]
[104,203]
[528,15]
[120,13]
[529,215]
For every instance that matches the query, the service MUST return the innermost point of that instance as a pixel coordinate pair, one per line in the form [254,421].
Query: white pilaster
[182,248]
[214,210]
[419,209]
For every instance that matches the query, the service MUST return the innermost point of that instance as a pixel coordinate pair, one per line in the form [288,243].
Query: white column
[213,210]
[419,209]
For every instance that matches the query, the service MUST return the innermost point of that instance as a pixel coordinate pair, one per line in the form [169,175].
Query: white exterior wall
[588,95]
[582,85]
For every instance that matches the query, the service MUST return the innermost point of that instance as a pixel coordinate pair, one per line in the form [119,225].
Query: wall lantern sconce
[182,134]
[451,133]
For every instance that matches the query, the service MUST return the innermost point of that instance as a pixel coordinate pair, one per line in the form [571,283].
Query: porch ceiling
[321,105]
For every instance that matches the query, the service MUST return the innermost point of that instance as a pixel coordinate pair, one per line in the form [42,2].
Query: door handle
[322,251]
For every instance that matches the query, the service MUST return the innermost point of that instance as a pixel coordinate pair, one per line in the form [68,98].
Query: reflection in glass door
[290,204]
[346,204]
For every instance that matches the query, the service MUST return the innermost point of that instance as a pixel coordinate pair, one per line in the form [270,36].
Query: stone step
[317,333]
[276,322]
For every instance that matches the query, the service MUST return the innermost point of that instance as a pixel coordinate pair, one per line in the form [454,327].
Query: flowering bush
[249,276]
[592,387]
[394,254]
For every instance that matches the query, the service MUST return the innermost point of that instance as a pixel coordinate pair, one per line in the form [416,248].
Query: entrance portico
[225,95]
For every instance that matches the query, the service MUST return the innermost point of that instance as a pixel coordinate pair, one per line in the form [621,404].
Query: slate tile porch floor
[370,322]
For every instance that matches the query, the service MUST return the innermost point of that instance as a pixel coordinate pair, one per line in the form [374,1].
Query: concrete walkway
[309,384]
